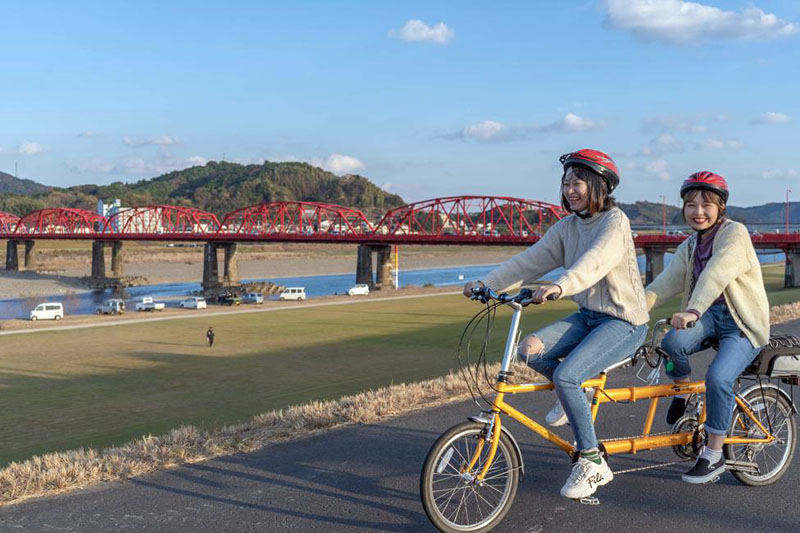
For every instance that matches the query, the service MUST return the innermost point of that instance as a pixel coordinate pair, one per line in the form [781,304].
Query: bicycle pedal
[589,500]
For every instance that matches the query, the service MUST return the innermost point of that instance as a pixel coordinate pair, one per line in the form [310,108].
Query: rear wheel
[453,498]
[58,317]
[775,413]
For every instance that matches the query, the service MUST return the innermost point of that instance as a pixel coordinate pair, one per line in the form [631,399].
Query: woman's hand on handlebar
[683,320]
[547,292]
[469,286]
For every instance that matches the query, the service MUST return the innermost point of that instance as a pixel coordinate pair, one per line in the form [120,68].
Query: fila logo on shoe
[594,480]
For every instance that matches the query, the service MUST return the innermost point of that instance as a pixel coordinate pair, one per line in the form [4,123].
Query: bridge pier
[30,255]
[98,260]
[384,273]
[654,258]
[791,277]
[210,267]
[384,268]
[230,273]
[364,265]
[12,260]
[116,259]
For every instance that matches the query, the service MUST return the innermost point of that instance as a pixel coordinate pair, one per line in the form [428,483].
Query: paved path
[366,478]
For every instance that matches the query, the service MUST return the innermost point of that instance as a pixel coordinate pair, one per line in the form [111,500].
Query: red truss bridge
[452,220]
[8,223]
[456,220]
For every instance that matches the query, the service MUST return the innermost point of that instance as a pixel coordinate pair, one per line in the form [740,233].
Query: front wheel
[774,412]
[453,498]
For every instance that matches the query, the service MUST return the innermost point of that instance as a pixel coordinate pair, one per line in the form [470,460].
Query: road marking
[224,313]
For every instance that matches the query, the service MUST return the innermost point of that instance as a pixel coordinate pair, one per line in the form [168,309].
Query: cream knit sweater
[600,262]
[733,271]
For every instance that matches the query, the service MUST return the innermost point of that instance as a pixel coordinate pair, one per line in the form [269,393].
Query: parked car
[675,233]
[114,306]
[361,288]
[147,304]
[193,302]
[253,298]
[293,293]
[48,311]
[229,299]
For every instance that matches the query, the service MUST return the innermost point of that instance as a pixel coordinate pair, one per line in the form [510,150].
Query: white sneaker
[586,476]
[556,417]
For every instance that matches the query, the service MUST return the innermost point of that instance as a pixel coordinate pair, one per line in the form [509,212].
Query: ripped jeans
[734,354]
[588,342]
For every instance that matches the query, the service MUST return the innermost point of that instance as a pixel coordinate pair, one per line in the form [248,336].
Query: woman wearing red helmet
[718,272]
[595,247]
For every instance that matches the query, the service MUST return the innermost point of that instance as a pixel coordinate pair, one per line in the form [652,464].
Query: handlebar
[524,297]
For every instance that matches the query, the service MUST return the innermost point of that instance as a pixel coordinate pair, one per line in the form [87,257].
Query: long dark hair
[599,199]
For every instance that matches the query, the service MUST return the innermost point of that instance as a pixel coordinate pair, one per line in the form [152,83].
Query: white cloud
[681,22]
[572,123]
[30,148]
[771,117]
[493,131]
[89,134]
[338,163]
[160,140]
[671,123]
[656,167]
[137,166]
[663,144]
[780,174]
[417,31]
[720,144]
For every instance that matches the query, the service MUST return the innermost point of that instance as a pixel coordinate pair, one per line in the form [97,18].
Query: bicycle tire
[480,507]
[773,459]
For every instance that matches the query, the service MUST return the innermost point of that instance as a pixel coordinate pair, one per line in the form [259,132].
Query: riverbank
[61,268]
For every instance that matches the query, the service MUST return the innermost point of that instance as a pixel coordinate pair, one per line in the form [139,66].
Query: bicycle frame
[646,441]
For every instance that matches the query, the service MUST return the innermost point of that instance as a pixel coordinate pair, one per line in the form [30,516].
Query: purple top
[702,254]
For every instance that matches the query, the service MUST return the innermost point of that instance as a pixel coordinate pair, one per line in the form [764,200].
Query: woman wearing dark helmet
[718,272]
[595,247]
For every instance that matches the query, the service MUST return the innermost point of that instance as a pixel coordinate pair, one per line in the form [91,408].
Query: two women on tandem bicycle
[716,270]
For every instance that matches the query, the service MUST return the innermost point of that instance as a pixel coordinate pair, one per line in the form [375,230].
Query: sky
[426,99]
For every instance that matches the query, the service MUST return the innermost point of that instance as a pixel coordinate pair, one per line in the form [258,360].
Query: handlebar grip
[691,324]
[552,297]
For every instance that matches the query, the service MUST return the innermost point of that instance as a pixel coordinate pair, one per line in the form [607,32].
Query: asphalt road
[366,478]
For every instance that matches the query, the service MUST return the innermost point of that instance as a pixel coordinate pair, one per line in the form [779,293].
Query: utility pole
[787,210]
[663,214]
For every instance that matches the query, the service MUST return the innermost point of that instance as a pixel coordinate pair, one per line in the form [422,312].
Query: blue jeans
[734,354]
[588,342]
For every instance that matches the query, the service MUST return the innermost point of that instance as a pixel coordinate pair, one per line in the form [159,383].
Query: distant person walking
[210,336]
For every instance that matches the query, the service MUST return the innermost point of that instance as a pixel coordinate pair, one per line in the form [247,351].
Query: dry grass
[784,313]
[54,473]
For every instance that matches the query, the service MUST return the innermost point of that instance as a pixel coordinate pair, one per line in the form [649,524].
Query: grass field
[103,386]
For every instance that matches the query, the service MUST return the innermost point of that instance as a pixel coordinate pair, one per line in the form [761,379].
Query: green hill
[11,185]
[220,188]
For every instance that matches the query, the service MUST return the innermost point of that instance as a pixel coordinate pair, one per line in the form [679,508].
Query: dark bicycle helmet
[594,160]
[706,181]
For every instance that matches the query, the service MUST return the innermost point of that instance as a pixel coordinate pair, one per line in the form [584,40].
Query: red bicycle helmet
[594,160]
[706,181]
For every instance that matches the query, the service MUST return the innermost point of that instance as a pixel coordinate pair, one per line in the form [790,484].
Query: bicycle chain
[648,467]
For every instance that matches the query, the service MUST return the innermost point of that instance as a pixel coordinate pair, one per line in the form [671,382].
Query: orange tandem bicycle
[471,473]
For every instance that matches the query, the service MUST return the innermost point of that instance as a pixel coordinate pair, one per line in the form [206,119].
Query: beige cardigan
[733,271]
[600,262]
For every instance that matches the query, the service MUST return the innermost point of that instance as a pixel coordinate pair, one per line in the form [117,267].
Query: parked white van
[293,293]
[48,311]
